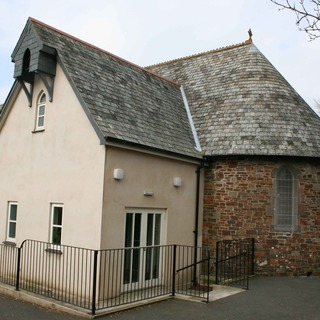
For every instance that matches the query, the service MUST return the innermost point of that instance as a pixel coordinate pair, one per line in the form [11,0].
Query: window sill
[285,230]
[9,243]
[54,251]
[37,130]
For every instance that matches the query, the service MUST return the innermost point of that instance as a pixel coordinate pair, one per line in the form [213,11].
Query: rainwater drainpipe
[198,148]
[196,231]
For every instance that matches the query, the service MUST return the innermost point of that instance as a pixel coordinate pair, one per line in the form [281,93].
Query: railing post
[252,255]
[217,262]
[174,270]
[249,262]
[94,282]
[18,269]
[208,279]
[195,258]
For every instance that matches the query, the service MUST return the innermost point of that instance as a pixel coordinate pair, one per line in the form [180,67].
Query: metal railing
[234,262]
[133,274]
[59,272]
[8,264]
[193,275]
[100,279]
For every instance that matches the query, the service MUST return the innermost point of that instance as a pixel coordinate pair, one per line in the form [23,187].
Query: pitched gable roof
[124,102]
[241,105]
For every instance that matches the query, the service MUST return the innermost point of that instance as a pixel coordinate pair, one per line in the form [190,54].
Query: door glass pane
[128,252]
[156,262]
[153,239]
[135,265]
[127,266]
[156,253]
[128,235]
[147,275]
[137,230]
[148,265]
[136,252]
[132,256]
[149,229]
[157,229]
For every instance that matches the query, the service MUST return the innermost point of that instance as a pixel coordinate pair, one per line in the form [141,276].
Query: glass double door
[142,263]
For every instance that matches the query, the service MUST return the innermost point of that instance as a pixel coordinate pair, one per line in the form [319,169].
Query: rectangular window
[12,221]
[286,201]
[56,223]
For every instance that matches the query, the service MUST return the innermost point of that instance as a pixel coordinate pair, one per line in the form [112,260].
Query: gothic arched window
[41,110]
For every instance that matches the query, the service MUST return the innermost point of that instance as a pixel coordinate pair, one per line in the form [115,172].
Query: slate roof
[126,102]
[241,105]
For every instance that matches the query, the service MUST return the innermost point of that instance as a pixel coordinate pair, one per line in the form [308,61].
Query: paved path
[267,298]
[11,308]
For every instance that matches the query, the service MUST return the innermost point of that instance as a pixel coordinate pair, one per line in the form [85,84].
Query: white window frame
[53,225]
[11,221]
[41,116]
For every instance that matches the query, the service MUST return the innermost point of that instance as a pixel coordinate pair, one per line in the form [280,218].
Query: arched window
[286,204]
[41,110]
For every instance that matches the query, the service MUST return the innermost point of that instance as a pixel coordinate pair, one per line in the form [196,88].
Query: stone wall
[239,203]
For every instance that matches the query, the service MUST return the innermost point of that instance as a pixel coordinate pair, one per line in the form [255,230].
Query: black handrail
[233,257]
[193,264]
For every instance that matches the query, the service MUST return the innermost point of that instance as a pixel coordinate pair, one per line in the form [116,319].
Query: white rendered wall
[64,164]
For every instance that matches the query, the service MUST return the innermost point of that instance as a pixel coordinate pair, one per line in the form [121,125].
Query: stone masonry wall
[239,203]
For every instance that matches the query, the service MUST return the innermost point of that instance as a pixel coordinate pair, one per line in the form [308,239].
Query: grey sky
[151,31]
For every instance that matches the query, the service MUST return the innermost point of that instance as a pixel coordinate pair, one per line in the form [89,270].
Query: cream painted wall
[145,172]
[64,164]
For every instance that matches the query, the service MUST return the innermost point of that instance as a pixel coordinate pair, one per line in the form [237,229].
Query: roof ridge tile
[249,41]
[102,50]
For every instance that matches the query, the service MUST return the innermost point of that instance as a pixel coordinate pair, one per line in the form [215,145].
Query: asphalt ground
[267,298]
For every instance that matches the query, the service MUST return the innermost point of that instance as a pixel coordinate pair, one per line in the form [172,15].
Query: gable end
[31,56]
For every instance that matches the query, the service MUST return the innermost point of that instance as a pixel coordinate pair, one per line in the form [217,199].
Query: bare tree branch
[307,15]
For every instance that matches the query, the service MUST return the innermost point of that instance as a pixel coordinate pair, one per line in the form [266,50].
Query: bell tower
[31,57]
